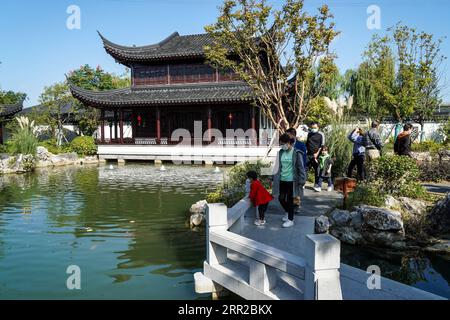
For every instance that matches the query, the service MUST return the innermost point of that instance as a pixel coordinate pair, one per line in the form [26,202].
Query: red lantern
[230,117]
[139,119]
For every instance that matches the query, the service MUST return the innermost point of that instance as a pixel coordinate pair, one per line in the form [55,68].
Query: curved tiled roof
[9,110]
[186,94]
[173,47]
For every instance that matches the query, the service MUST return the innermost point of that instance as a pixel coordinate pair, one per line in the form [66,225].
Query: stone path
[441,188]
[292,239]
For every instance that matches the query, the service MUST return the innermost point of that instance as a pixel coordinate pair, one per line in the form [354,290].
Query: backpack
[367,140]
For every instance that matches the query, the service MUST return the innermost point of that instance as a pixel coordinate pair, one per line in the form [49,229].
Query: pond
[127,230]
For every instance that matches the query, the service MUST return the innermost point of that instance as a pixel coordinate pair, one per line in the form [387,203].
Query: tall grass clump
[24,138]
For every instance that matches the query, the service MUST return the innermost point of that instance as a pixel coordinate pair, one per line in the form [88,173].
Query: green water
[126,229]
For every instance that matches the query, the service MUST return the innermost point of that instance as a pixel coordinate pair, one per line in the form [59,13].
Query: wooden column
[121,125]
[115,126]
[158,125]
[209,124]
[254,137]
[102,123]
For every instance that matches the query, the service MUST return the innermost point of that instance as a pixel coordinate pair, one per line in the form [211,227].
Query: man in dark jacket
[402,145]
[373,143]
[314,144]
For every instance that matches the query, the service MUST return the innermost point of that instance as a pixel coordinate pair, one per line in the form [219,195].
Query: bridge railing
[319,268]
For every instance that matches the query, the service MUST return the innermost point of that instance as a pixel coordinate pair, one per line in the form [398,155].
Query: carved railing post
[322,255]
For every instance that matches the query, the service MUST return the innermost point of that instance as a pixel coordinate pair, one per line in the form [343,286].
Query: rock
[392,203]
[197,220]
[42,154]
[356,220]
[64,159]
[439,217]
[442,247]
[381,219]
[322,225]
[347,235]
[383,238]
[413,206]
[422,156]
[340,217]
[199,207]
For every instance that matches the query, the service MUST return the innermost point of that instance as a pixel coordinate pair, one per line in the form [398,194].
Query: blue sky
[37,49]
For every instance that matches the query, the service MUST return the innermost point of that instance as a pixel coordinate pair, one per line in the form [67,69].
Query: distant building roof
[186,94]
[9,110]
[173,47]
[65,109]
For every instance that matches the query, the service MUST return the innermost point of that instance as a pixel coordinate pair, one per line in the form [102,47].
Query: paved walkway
[441,188]
[292,239]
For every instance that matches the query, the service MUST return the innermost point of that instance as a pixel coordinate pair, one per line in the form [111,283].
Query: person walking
[402,145]
[259,196]
[314,144]
[289,178]
[359,154]
[373,143]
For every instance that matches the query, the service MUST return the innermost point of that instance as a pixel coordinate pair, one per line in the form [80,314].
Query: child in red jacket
[259,196]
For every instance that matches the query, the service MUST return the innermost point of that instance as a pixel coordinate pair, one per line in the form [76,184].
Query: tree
[402,69]
[97,80]
[266,46]
[60,107]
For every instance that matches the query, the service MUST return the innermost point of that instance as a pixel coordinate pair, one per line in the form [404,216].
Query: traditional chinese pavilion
[7,112]
[172,86]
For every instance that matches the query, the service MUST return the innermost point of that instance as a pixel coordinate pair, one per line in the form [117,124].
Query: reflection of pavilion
[172,88]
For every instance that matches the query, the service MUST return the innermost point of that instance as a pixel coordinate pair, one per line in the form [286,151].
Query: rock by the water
[347,235]
[381,219]
[340,217]
[199,207]
[383,238]
[197,220]
[439,217]
[42,154]
[322,225]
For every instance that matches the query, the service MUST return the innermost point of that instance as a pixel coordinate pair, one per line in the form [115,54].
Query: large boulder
[348,235]
[439,217]
[322,225]
[199,207]
[340,217]
[381,219]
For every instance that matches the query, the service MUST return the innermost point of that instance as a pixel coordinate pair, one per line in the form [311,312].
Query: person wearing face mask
[314,144]
[289,177]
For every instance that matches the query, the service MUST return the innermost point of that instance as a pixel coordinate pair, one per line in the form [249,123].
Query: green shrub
[51,145]
[434,171]
[393,174]
[83,146]
[366,194]
[232,189]
[340,148]
[427,146]
[3,148]
[389,175]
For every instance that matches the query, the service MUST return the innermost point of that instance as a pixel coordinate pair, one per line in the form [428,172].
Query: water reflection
[127,225]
